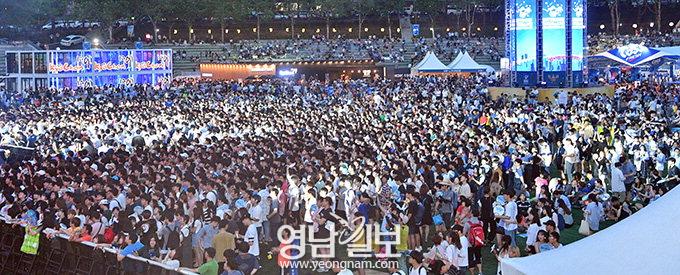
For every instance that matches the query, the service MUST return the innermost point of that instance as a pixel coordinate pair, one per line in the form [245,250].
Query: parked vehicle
[71,40]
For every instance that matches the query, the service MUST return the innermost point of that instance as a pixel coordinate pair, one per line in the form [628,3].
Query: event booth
[638,59]
[330,70]
[462,64]
[87,68]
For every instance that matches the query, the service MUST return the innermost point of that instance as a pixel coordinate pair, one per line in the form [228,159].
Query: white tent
[455,60]
[429,64]
[466,64]
[645,243]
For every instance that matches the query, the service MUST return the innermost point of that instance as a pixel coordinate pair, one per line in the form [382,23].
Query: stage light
[365,29]
[287,29]
[254,29]
[479,29]
[209,31]
[398,29]
[318,30]
[303,30]
[349,30]
[226,30]
[382,29]
[191,30]
[635,26]
[148,36]
[651,24]
[464,29]
[271,29]
[602,27]
[671,24]
[174,31]
[95,41]
[335,30]
[495,28]
[448,30]
[238,30]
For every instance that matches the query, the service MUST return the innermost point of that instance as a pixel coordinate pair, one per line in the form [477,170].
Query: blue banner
[416,29]
[524,17]
[554,36]
[578,27]
[633,53]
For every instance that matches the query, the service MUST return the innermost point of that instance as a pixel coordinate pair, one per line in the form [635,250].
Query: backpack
[420,213]
[173,239]
[476,234]
[109,234]
[560,222]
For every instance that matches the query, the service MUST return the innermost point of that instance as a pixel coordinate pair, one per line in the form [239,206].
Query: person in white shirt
[509,218]
[463,261]
[532,231]
[255,211]
[251,236]
[618,181]
[415,261]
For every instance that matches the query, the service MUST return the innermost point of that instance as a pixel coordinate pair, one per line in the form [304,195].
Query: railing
[58,255]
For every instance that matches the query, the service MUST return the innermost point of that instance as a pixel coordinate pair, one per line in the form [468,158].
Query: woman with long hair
[504,251]
[534,220]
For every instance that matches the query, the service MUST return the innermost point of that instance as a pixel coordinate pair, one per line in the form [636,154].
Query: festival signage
[633,54]
[524,22]
[554,36]
[90,68]
[578,27]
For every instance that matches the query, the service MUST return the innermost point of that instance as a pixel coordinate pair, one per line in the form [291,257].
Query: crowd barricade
[58,255]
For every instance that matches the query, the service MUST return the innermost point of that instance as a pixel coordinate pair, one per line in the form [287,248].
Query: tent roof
[430,63]
[643,243]
[467,64]
[455,60]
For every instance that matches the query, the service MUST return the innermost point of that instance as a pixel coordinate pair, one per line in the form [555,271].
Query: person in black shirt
[486,214]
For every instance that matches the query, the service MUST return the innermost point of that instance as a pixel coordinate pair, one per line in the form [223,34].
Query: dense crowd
[310,49]
[202,174]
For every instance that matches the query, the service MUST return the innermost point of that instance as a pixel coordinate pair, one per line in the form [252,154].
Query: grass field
[489,262]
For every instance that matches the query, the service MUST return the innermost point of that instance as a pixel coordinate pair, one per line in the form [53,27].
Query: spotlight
[602,27]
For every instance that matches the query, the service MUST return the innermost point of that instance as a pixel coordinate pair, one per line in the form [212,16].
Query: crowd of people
[319,49]
[201,175]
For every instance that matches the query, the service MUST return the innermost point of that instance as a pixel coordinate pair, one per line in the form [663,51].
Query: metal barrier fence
[58,255]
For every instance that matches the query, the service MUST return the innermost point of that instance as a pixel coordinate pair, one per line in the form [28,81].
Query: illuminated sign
[288,72]
[262,68]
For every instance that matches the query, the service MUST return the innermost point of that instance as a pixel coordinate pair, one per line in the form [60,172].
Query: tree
[332,9]
[154,10]
[106,11]
[361,9]
[261,9]
[224,10]
[431,8]
[387,8]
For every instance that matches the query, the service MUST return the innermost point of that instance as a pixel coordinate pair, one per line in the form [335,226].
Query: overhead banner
[578,27]
[633,54]
[524,16]
[554,36]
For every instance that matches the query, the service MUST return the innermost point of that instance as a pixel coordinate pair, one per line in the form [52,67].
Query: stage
[549,94]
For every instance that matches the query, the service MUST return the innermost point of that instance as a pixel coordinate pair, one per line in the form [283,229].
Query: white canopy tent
[429,64]
[455,60]
[466,64]
[645,243]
